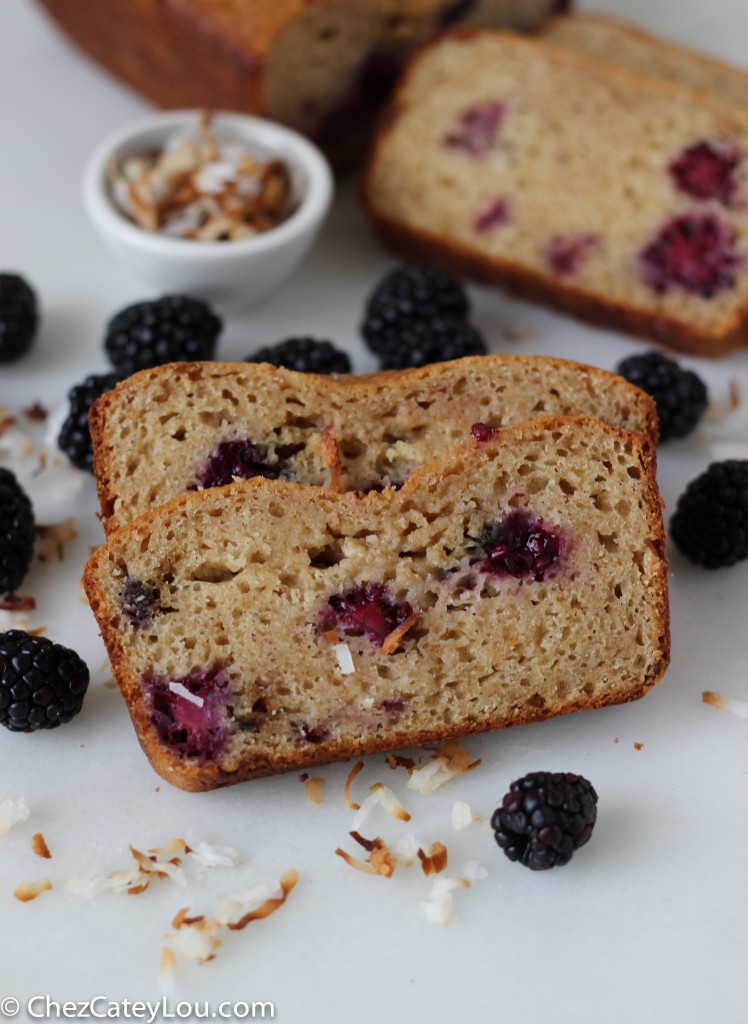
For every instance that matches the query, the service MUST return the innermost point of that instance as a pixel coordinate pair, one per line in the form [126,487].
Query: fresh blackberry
[544,818]
[680,395]
[42,684]
[17,532]
[19,317]
[305,355]
[710,523]
[171,329]
[75,437]
[416,316]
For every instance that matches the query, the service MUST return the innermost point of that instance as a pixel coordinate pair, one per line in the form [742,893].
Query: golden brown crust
[196,777]
[360,387]
[422,245]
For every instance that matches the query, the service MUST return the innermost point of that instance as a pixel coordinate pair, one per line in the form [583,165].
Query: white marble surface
[647,924]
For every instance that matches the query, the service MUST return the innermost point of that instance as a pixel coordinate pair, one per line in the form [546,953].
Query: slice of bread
[265,627]
[626,46]
[614,196]
[174,428]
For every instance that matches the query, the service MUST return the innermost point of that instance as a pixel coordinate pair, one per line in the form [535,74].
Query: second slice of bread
[159,433]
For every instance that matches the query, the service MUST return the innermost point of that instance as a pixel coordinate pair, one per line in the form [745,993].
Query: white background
[648,922]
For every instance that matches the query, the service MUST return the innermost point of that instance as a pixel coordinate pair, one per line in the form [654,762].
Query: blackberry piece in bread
[195,425]
[321,66]
[266,627]
[497,159]
[626,46]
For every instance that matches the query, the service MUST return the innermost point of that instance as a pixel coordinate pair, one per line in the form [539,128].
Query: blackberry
[19,317]
[167,330]
[17,532]
[417,315]
[544,818]
[75,437]
[680,395]
[305,355]
[42,684]
[710,523]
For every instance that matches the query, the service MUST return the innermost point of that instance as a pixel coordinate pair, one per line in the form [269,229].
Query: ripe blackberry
[710,523]
[416,316]
[75,437]
[680,395]
[305,355]
[42,684]
[17,532]
[544,818]
[19,317]
[170,329]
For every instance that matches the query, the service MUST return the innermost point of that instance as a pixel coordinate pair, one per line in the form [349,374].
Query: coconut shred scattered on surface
[12,813]
[202,188]
[724,703]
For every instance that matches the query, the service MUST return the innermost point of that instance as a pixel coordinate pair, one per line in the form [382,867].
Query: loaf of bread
[194,425]
[321,66]
[265,627]
[614,196]
[615,42]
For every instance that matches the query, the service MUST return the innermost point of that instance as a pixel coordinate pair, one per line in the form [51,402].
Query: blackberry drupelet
[17,532]
[544,818]
[75,437]
[417,315]
[305,355]
[680,395]
[42,684]
[19,317]
[174,328]
[710,523]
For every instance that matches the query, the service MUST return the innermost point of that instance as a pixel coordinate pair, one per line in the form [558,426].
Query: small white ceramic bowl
[232,273]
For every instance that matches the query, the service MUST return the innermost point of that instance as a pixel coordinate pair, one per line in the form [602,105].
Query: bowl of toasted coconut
[219,205]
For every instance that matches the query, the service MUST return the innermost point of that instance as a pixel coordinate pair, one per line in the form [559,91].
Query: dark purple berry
[544,818]
[710,523]
[17,532]
[42,684]
[366,610]
[191,713]
[520,546]
[75,436]
[708,170]
[138,602]
[566,255]
[19,317]
[476,129]
[235,460]
[175,328]
[694,253]
[680,395]
[305,355]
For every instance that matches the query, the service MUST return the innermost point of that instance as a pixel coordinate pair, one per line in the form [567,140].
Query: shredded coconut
[462,816]
[474,871]
[380,794]
[345,659]
[449,761]
[439,906]
[181,690]
[12,813]
[723,703]
[27,891]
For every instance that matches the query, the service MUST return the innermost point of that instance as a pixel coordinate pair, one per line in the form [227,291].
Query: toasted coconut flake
[723,703]
[17,603]
[315,790]
[286,885]
[449,761]
[137,879]
[175,845]
[331,459]
[181,690]
[348,783]
[211,856]
[12,813]
[394,639]
[52,539]
[381,860]
[344,658]
[39,846]
[27,891]
[434,860]
[406,849]
[380,794]
[462,816]
[398,761]
[438,908]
